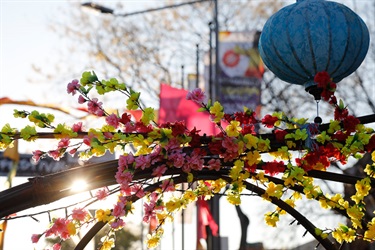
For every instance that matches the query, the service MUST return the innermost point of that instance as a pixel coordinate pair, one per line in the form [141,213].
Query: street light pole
[106,10]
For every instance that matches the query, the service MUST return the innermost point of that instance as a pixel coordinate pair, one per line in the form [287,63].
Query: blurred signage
[240,71]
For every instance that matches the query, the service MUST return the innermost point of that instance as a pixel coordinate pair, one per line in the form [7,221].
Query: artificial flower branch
[231,161]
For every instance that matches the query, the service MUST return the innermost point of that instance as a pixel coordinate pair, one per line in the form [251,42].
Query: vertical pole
[182,77]
[217,67]
[183,229]
[197,68]
[215,209]
[210,82]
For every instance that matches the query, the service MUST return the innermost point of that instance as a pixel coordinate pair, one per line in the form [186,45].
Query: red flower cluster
[328,87]
[269,121]
[274,167]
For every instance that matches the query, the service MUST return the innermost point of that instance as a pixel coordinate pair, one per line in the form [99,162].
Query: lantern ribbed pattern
[312,36]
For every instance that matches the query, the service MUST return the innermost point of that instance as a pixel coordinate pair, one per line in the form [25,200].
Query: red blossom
[340,113]
[370,147]
[125,118]
[178,128]
[269,121]
[248,129]
[340,136]
[195,138]
[249,168]
[322,79]
[273,167]
[350,122]
[215,147]
[142,128]
[280,135]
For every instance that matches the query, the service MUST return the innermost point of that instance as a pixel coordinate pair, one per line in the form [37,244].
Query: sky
[25,39]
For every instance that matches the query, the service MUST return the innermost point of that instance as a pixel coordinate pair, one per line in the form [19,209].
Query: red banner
[174,107]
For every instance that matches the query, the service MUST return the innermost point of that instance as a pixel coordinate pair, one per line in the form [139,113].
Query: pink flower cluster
[151,207]
[95,107]
[196,95]
[73,87]
[61,227]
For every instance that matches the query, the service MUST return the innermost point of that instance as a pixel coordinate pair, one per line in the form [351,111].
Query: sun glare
[78,185]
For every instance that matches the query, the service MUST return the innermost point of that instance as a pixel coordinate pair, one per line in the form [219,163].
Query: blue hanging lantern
[312,36]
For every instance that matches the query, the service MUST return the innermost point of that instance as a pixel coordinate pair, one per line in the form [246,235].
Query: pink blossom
[118,209]
[101,194]
[95,107]
[196,95]
[37,154]
[138,191]
[142,161]
[125,160]
[77,127]
[87,138]
[124,178]
[159,171]
[73,151]
[173,144]
[35,238]
[81,99]
[149,211]
[167,185]
[63,143]
[194,161]
[214,164]
[56,246]
[73,87]
[79,214]
[119,223]
[178,159]
[55,154]
[113,120]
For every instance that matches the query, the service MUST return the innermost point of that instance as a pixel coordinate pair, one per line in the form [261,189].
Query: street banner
[174,108]
[240,71]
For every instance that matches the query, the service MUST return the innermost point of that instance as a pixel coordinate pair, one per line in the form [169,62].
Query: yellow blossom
[148,115]
[103,215]
[253,157]
[175,204]
[363,186]
[274,190]
[108,244]
[344,233]
[370,232]
[164,216]
[233,198]
[282,153]
[263,145]
[217,111]
[190,196]
[250,141]
[271,218]
[261,178]
[71,228]
[233,129]
[152,240]
[237,168]
[370,169]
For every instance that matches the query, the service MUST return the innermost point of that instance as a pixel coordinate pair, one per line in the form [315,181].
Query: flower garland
[236,151]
